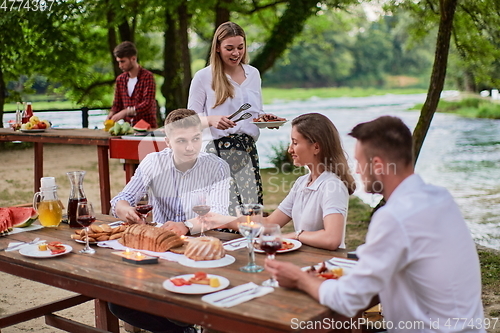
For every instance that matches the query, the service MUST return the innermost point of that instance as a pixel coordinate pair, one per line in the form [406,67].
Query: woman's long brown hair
[220,83]
[317,128]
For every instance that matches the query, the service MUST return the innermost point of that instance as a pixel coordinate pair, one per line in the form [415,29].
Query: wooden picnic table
[81,136]
[105,277]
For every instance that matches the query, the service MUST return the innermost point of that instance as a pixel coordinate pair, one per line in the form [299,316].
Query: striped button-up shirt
[172,192]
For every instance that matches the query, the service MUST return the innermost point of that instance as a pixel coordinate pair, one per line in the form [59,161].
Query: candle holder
[250,225]
[136,257]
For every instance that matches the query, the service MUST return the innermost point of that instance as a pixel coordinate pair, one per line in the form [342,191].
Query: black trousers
[147,321]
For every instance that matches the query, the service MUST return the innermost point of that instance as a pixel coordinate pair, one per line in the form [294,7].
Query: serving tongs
[244,107]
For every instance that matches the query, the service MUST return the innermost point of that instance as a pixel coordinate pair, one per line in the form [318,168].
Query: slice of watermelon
[5,219]
[23,216]
[142,126]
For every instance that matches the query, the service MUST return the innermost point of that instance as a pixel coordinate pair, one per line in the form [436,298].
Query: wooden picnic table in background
[105,277]
[81,136]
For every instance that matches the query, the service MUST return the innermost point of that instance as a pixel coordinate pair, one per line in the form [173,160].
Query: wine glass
[250,224]
[201,207]
[85,217]
[142,206]
[270,242]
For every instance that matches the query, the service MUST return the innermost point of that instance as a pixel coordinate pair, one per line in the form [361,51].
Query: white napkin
[13,245]
[114,244]
[344,263]
[246,291]
[235,244]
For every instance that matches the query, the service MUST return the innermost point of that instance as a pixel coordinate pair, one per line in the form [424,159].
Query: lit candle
[139,255]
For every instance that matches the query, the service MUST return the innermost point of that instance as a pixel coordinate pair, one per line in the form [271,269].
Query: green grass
[270,95]
[490,270]
[468,107]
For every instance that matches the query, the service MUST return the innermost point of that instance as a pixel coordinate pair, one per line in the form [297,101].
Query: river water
[460,154]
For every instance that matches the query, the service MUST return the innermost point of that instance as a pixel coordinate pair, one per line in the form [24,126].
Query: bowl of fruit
[35,125]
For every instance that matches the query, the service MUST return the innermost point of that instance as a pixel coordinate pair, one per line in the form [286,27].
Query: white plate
[346,268]
[296,245]
[264,124]
[38,130]
[34,252]
[195,288]
[227,260]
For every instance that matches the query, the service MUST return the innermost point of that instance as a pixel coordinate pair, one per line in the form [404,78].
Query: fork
[245,106]
[243,117]
[15,247]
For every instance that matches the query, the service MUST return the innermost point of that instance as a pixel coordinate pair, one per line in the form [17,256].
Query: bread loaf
[145,237]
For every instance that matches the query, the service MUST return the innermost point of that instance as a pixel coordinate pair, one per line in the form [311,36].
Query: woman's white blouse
[202,99]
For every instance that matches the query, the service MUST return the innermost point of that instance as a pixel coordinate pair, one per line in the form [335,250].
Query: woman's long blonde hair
[220,84]
[317,128]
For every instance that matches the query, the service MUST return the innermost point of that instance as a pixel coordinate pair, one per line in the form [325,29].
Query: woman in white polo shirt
[318,201]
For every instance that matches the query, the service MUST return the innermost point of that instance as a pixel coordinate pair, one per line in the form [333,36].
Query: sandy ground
[16,187]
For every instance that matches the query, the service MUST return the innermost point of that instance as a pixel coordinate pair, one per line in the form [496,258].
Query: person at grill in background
[318,201]
[135,89]
[175,175]
[419,256]
[219,90]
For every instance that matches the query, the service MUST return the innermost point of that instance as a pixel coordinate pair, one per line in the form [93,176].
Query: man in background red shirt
[135,89]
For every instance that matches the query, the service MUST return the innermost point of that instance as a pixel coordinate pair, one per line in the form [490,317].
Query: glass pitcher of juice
[48,206]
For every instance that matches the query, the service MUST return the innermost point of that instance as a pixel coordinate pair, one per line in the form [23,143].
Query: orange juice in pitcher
[47,204]
[49,213]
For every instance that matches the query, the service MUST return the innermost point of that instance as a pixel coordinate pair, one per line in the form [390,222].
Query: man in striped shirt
[176,177]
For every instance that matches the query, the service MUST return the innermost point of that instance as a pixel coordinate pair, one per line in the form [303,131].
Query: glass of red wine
[201,207]
[143,207]
[270,242]
[85,217]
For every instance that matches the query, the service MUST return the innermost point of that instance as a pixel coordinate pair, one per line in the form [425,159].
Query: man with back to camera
[419,256]
[135,89]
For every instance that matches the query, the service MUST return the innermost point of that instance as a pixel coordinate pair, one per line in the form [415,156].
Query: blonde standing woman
[216,92]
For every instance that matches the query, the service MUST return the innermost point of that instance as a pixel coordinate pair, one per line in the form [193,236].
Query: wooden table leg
[104,319]
[103,160]
[38,172]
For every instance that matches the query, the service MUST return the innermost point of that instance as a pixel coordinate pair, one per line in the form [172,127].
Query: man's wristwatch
[188,225]
[297,234]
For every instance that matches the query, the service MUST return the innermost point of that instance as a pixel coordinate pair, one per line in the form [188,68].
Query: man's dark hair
[387,137]
[181,118]
[125,50]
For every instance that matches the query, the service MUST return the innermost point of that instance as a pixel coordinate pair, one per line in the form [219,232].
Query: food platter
[227,260]
[33,251]
[268,124]
[39,130]
[296,245]
[195,288]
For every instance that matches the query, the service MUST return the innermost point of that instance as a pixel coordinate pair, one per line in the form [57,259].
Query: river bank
[16,170]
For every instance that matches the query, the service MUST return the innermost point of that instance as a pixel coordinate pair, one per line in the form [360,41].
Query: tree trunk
[112,41]
[290,25]
[172,84]
[222,13]
[184,18]
[3,92]
[447,10]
